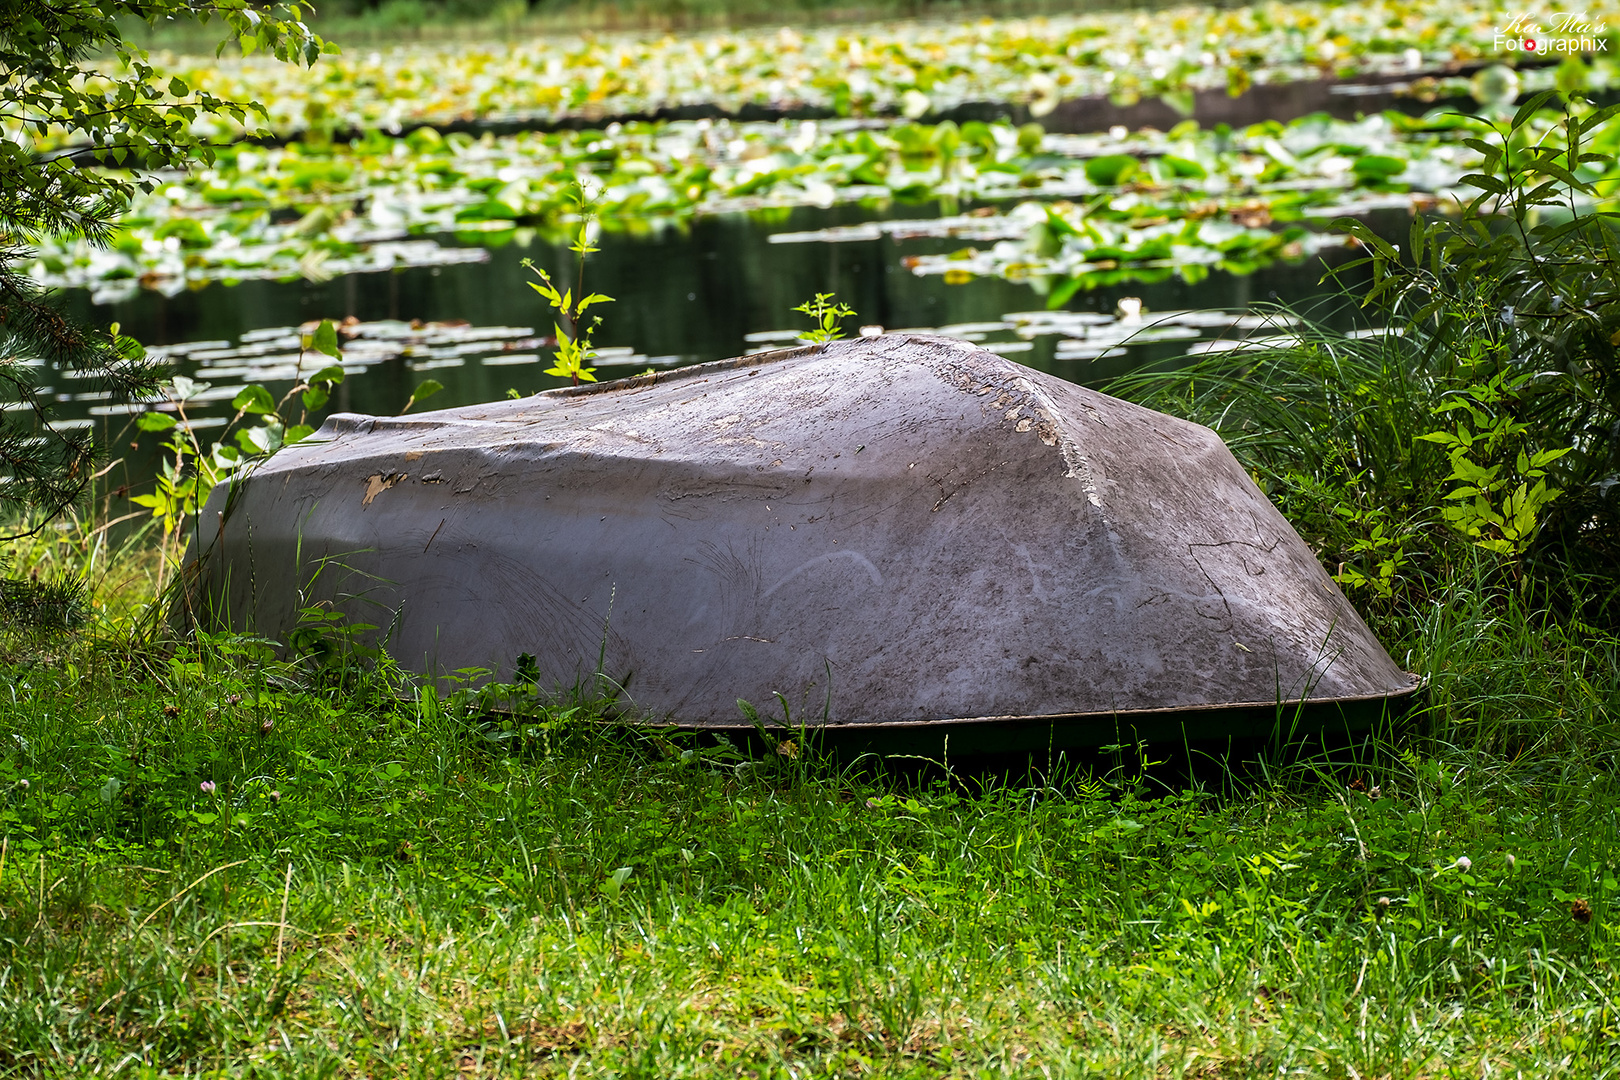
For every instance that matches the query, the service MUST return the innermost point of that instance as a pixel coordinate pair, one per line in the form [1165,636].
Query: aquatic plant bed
[1191,195]
[907,68]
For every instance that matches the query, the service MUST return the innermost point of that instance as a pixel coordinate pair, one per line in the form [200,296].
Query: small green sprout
[827,315]
[574,351]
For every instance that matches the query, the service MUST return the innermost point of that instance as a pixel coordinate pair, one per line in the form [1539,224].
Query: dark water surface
[693,294]
[682,296]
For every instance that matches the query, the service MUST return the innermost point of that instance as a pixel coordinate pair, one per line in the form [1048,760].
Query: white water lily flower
[1334,165]
[805,139]
[1044,94]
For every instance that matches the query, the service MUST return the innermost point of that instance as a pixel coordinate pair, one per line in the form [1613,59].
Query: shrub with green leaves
[1513,307]
[54,87]
[187,472]
[1483,415]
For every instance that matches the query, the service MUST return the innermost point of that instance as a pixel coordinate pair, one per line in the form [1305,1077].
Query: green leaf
[1600,117]
[1469,472]
[1485,183]
[1377,167]
[1531,107]
[1184,167]
[1181,101]
[257,440]
[183,388]
[155,421]
[424,390]
[326,339]
[1111,170]
[1361,232]
[178,87]
[615,881]
[254,399]
[1563,175]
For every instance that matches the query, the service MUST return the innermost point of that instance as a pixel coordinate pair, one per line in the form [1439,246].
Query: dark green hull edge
[1286,723]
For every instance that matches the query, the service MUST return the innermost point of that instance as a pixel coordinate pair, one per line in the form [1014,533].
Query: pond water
[715,289]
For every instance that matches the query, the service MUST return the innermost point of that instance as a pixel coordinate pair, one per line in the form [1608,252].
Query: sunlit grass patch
[376,878]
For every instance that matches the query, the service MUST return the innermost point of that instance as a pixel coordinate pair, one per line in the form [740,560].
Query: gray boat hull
[886,531]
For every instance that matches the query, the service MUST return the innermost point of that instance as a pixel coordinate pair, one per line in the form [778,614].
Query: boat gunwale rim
[1418,683]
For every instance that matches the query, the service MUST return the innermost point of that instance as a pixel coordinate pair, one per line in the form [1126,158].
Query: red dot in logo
[1529,44]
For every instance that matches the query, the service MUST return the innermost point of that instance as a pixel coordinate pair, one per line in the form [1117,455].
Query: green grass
[393,884]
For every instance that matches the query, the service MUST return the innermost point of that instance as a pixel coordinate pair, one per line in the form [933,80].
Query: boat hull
[887,531]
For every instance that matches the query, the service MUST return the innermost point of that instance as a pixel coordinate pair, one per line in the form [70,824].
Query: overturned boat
[900,535]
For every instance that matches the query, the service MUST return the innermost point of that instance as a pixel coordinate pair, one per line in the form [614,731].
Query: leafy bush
[1515,304]
[1487,417]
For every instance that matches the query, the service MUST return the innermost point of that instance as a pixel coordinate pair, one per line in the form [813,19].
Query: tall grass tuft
[1329,425]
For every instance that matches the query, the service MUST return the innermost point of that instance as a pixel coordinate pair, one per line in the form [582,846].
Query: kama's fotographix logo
[1553,32]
